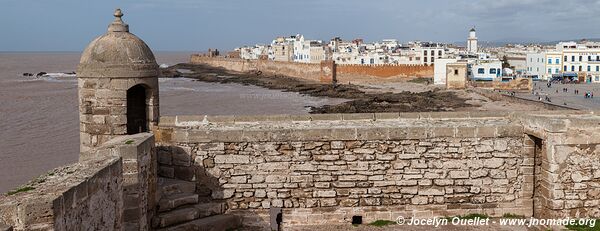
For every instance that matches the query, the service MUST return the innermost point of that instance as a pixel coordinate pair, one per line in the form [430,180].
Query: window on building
[597,68]
[481,71]
[580,68]
[440,53]
[455,71]
[432,59]
[565,58]
[425,53]
[556,71]
[372,61]
[492,71]
[549,70]
[425,59]
[597,78]
[580,58]
[597,58]
[432,53]
[590,58]
[573,58]
[557,61]
[589,68]
[549,61]
[573,68]
[565,68]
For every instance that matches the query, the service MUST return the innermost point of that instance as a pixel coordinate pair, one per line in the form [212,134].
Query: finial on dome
[118,25]
[118,13]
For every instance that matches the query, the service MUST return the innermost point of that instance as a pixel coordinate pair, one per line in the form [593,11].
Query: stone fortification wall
[318,72]
[86,194]
[308,71]
[568,166]
[328,168]
[111,188]
[353,73]
[513,85]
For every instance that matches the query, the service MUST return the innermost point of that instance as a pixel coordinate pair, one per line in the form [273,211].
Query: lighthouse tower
[472,42]
[118,86]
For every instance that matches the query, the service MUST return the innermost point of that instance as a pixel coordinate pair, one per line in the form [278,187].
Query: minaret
[118,86]
[472,42]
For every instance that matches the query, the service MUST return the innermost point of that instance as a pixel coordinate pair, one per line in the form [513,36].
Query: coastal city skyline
[299,115]
[198,25]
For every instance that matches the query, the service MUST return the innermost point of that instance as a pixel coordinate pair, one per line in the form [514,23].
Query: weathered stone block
[232,159]
[459,174]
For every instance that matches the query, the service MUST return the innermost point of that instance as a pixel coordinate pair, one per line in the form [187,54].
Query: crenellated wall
[355,72]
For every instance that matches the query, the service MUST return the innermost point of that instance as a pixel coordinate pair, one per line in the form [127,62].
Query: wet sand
[39,119]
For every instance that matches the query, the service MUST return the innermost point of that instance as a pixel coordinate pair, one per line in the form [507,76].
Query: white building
[486,70]
[253,52]
[568,59]
[472,42]
[428,55]
[439,70]
[536,65]
[583,59]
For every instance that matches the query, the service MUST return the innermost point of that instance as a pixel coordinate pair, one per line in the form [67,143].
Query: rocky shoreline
[359,100]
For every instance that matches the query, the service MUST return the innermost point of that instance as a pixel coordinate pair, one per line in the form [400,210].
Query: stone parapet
[113,187]
[85,194]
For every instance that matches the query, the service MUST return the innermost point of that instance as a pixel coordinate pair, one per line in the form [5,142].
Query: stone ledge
[339,133]
[198,120]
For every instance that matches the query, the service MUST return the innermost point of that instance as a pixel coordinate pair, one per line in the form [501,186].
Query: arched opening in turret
[137,114]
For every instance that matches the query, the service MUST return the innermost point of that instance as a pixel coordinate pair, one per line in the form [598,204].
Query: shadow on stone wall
[185,164]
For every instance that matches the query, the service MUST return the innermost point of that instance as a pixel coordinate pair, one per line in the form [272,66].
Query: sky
[196,25]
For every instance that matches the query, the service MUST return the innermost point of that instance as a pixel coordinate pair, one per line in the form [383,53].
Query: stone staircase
[180,208]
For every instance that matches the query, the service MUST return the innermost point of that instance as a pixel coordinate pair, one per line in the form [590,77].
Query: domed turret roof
[116,54]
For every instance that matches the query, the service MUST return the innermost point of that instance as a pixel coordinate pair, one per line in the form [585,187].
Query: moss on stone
[584,227]
[20,190]
[382,223]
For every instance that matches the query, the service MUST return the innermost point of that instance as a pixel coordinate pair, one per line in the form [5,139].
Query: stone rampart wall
[328,171]
[513,85]
[354,73]
[568,166]
[308,71]
[86,194]
[110,188]
[314,72]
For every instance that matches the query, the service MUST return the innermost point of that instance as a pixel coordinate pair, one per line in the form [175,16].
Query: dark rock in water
[41,74]
[27,74]
[71,73]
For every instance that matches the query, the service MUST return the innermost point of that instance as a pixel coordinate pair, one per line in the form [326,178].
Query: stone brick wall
[308,71]
[360,165]
[513,85]
[111,188]
[86,194]
[353,73]
[103,108]
[316,72]
[138,154]
[568,165]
